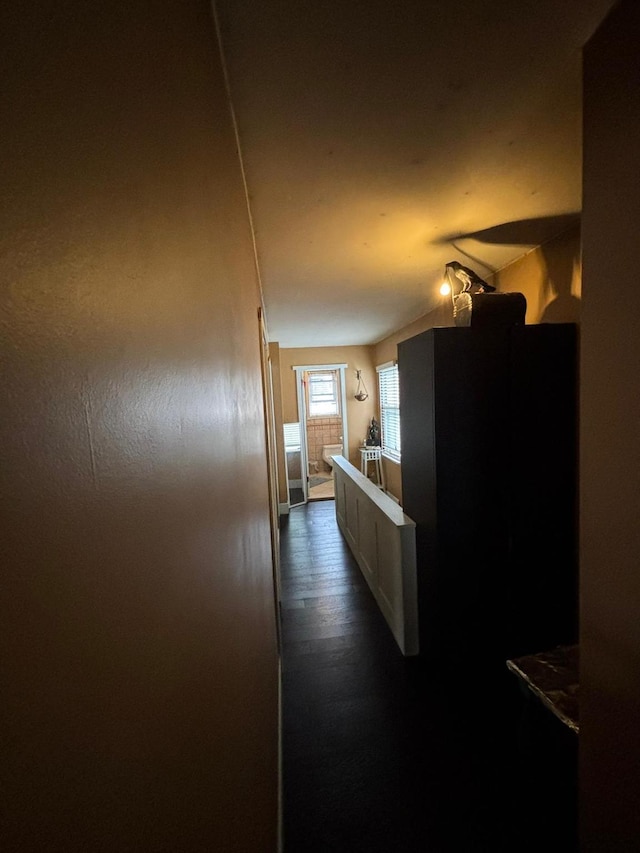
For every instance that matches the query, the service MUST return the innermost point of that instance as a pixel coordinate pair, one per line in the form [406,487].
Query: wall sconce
[361,390]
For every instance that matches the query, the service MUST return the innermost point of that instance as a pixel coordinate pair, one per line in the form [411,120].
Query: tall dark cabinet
[489,475]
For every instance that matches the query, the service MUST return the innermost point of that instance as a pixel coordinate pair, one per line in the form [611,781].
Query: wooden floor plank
[381,754]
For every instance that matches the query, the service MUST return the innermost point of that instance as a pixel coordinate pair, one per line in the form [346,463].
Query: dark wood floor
[380,753]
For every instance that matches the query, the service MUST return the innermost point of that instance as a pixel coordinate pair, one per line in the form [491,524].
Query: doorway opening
[323,425]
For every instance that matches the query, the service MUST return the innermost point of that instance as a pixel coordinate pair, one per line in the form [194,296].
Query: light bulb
[445,288]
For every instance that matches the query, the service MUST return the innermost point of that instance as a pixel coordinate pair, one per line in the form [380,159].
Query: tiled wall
[321,431]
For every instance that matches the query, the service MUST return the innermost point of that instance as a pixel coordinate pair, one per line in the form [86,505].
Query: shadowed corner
[559,268]
[562,303]
[521,232]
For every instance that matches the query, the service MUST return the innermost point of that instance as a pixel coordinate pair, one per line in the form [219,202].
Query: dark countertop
[552,676]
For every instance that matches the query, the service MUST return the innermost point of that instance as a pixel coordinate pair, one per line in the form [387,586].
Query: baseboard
[283,509]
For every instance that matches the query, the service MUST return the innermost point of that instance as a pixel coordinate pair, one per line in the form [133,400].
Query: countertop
[553,676]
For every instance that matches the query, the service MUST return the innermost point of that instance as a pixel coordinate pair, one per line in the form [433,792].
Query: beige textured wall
[359,414]
[550,278]
[610,454]
[139,699]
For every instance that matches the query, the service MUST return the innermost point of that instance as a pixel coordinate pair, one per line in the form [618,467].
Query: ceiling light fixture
[471,281]
[475,302]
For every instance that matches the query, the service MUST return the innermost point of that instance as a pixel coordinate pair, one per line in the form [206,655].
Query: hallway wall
[550,277]
[610,458]
[139,701]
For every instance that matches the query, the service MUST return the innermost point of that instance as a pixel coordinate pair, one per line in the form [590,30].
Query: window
[322,394]
[389,390]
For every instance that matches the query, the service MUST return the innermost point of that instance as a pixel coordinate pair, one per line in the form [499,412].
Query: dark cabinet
[489,475]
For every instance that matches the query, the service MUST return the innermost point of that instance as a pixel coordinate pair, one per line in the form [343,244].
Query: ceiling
[379,138]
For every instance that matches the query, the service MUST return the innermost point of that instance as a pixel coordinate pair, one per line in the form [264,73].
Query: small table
[372,454]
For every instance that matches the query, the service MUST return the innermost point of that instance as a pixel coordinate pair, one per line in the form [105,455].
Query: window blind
[389,391]
[323,394]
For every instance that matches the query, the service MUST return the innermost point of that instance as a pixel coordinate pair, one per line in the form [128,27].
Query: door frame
[300,370]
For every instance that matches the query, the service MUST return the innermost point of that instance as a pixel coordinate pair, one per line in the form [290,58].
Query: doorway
[322,409]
